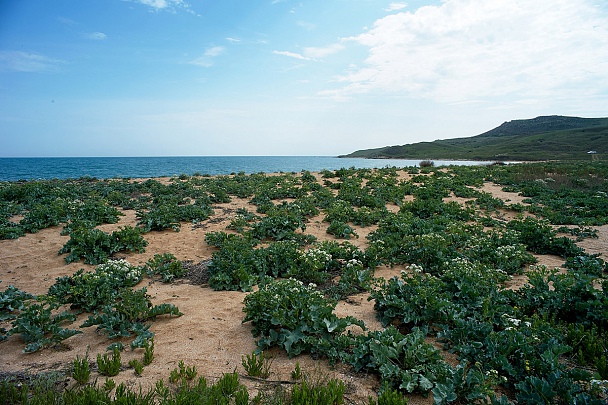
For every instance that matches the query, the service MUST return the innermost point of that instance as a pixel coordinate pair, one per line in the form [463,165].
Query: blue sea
[13,169]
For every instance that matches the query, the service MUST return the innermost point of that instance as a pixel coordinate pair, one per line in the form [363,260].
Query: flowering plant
[91,290]
[291,315]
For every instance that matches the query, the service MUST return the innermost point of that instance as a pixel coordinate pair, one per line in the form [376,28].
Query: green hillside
[541,138]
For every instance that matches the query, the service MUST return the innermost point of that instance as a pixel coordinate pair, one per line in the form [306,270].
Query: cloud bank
[463,50]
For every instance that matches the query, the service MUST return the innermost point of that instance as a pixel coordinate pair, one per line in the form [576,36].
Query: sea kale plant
[39,324]
[96,246]
[293,316]
[90,291]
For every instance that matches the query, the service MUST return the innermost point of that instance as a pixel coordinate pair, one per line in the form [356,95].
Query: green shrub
[96,246]
[90,291]
[81,371]
[540,237]
[148,346]
[127,314]
[107,366]
[413,300]
[138,367]
[292,316]
[236,265]
[341,230]
[39,324]
[317,393]
[170,212]
[404,362]
[257,365]
[165,265]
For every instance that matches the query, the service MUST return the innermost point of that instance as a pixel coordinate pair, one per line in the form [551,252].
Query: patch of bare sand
[498,192]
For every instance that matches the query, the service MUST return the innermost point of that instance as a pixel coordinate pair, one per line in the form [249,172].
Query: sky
[283,77]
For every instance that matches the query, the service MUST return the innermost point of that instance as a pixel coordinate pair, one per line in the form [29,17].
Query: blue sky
[282,77]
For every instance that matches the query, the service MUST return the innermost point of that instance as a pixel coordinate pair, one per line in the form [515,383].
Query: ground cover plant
[540,343]
[106,293]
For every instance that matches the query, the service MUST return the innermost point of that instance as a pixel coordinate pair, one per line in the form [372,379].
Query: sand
[210,335]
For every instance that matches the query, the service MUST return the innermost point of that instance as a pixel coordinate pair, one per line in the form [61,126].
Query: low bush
[39,324]
[96,246]
[293,316]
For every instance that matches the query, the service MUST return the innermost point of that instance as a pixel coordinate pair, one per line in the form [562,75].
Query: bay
[13,169]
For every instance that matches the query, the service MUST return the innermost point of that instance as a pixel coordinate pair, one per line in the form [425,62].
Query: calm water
[12,169]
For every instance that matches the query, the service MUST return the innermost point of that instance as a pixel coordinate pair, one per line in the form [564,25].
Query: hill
[541,138]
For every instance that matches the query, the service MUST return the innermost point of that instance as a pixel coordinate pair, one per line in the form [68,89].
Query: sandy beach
[210,335]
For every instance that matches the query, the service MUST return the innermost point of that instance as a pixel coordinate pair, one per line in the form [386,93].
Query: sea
[47,168]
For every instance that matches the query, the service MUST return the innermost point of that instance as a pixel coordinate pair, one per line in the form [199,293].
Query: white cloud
[66,21]
[312,53]
[308,26]
[319,53]
[164,4]
[207,59]
[19,61]
[233,40]
[396,6]
[467,49]
[97,36]
[291,55]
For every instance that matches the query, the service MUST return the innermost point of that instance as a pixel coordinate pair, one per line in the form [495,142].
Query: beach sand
[210,335]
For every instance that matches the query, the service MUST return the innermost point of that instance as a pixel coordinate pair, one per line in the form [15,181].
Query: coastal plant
[242,220]
[107,366]
[539,237]
[589,347]
[341,230]
[109,384]
[96,246]
[127,316]
[90,291]
[169,214]
[10,229]
[138,367]
[293,316]
[166,266]
[44,212]
[277,225]
[39,324]
[590,265]
[257,365]
[569,297]
[412,300]
[297,373]
[148,346]
[12,301]
[354,279]
[235,266]
[404,362]
[311,266]
[389,396]
[340,211]
[81,371]
[476,289]
[182,373]
[312,392]
[280,258]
